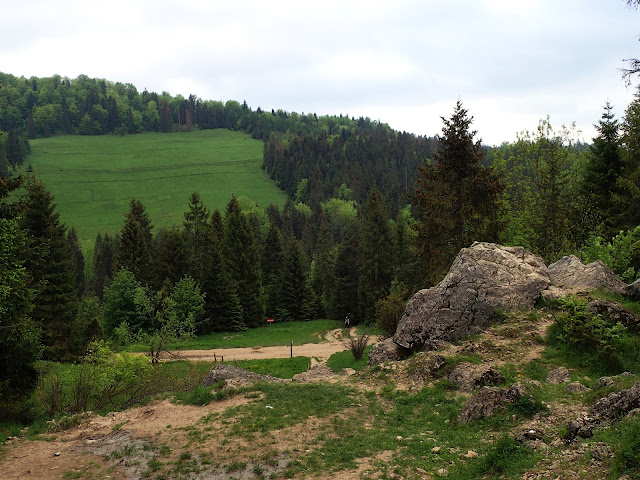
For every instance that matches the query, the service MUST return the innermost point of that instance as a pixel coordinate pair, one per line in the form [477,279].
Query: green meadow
[94,177]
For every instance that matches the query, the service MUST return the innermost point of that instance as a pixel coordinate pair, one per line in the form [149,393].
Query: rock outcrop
[488,400]
[467,376]
[572,276]
[614,313]
[387,351]
[559,375]
[483,278]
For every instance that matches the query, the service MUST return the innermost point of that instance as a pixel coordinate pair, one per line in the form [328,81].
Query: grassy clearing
[345,359]
[94,177]
[278,334]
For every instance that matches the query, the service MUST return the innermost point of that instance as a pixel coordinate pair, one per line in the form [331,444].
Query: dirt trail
[319,352]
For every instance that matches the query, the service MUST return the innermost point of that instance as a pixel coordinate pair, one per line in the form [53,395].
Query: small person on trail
[346,321]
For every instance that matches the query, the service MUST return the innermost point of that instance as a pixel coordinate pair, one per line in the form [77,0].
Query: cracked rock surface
[482,278]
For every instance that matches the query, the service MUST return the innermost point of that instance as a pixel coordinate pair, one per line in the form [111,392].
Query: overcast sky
[405,63]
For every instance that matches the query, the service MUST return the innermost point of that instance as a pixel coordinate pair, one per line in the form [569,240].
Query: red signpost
[270,320]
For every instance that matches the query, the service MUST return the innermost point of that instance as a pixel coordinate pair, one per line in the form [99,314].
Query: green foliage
[48,260]
[346,359]
[119,304]
[527,407]
[542,173]
[625,440]
[506,458]
[456,198]
[596,334]
[375,256]
[621,254]
[389,310]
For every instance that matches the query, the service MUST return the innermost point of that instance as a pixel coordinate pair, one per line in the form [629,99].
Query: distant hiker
[346,321]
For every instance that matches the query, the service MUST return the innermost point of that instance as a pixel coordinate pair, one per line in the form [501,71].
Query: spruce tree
[602,170]
[49,263]
[323,269]
[198,236]
[456,197]
[242,260]
[345,287]
[20,346]
[134,250]
[77,262]
[296,297]
[375,251]
[103,253]
[169,262]
[272,261]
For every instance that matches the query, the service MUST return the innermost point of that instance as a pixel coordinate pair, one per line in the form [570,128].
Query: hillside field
[94,177]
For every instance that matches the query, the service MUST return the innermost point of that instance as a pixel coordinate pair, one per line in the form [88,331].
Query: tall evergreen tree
[20,346]
[296,296]
[375,255]
[323,269]
[272,261]
[630,178]
[345,289]
[169,262]
[241,254]
[77,262]
[602,170]
[456,198]
[51,269]
[134,250]
[198,237]
[103,253]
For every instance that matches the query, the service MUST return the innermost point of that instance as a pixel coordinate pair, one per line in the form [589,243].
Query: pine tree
[134,250]
[375,251]
[198,236]
[456,198]
[50,266]
[345,288]
[603,168]
[103,253]
[323,269]
[20,346]
[169,262]
[296,297]
[242,260]
[272,261]
[77,262]
[630,178]
[223,311]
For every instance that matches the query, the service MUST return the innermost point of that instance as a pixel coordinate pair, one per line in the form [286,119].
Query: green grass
[282,333]
[94,177]
[345,359]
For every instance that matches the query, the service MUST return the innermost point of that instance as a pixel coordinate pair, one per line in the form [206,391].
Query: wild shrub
[357,345]
[389,310]
[590,332]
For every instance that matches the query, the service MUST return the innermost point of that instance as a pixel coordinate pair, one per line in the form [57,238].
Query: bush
[611,341]
[389,310]
[357,345]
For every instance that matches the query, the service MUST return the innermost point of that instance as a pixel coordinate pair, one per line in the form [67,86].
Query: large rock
[617,404]
[482,278]
[488,400]
[386,351]
[614,313]
[571,275]
[633,290]
[467,376]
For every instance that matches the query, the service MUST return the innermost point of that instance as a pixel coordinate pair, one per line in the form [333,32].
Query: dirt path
[319,352]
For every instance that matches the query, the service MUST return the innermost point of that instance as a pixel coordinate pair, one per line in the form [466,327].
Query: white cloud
[404,63]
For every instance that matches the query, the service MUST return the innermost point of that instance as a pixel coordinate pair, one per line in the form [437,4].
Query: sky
[404,63]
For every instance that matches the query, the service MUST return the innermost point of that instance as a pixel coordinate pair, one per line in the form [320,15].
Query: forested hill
[309,156]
